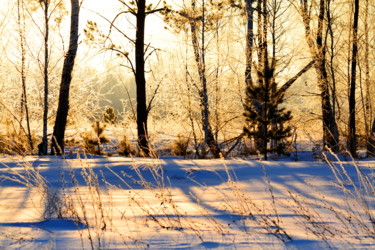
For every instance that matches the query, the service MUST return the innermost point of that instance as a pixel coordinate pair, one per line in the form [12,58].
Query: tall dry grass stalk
[351,214]
[266,216]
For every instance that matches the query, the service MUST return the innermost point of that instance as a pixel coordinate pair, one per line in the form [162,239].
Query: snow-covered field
[173,203]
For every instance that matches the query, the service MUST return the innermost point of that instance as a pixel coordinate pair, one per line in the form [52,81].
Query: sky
[155,32]
[154,24]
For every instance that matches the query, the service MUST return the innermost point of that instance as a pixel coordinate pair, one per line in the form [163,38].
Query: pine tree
[96,138]
[265,120]
[109,116]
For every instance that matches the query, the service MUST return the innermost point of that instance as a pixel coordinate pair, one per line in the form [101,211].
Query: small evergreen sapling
[109,116]
[96,138]
[265,120]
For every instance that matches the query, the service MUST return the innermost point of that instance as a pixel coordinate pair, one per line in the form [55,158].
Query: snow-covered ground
[173,203]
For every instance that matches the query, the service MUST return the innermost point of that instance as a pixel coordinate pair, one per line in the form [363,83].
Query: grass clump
[125,147]
[180,147]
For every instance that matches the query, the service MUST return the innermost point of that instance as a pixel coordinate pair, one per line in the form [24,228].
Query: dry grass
[89,199]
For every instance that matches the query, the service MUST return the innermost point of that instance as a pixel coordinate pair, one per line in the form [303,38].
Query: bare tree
[142,110]
[352,138]
[43,147]
[249,42]
[139,10]
[22,70]
[318,52]
[369,119]
[66,79]
[200,57]
[196,18]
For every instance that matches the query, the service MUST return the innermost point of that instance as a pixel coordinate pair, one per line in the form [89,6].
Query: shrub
[109,116]
[94,139]
[125,148]
[180,146]
[15,143]
[247,148]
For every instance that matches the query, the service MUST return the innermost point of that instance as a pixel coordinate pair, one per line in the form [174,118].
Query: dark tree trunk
[352,139]
[43,147]
[142,112]
[66,79]
[330,129]
[371,141]
[370,132]
[292,80]
[249,42]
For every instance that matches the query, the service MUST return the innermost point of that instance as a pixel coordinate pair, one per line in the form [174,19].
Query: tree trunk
[368,100]
[371,141]
[352,139]
[66,78]
[209,138]
[24,103]
[43,147]
[317,50]
[249,42]
[142,112]
[332,72]
[265,67]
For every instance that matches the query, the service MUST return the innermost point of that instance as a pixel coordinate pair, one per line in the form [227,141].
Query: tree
[140,10]
[43,147]
[109,116]
[66,79]
[22,70]
[265,119]
[142,110]
[352,138]
[93,140]
[249,42]
[318,52]
[368,116]
[199,23]
[200,57]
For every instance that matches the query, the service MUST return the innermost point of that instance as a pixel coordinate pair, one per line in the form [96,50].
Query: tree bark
[371,141]
[317,50]
[142,112]
[249,42]
[199,54]
[43,147]
[368,101]
[352,139]
[24,102]
[66,79]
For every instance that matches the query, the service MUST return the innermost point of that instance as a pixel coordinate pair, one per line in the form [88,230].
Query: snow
[174,203]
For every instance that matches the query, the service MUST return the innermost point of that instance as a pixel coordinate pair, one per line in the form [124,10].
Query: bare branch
[153,96]
[112,25]
[131,64]
[154,11]
[294,78]
[130,100]
[128,6]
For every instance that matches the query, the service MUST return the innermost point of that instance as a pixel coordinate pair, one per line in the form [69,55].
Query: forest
[187,124]
[228,78]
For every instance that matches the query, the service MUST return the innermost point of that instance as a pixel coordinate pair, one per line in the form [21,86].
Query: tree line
[337,48]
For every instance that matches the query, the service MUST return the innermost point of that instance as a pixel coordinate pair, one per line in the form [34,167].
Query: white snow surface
[176,203]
